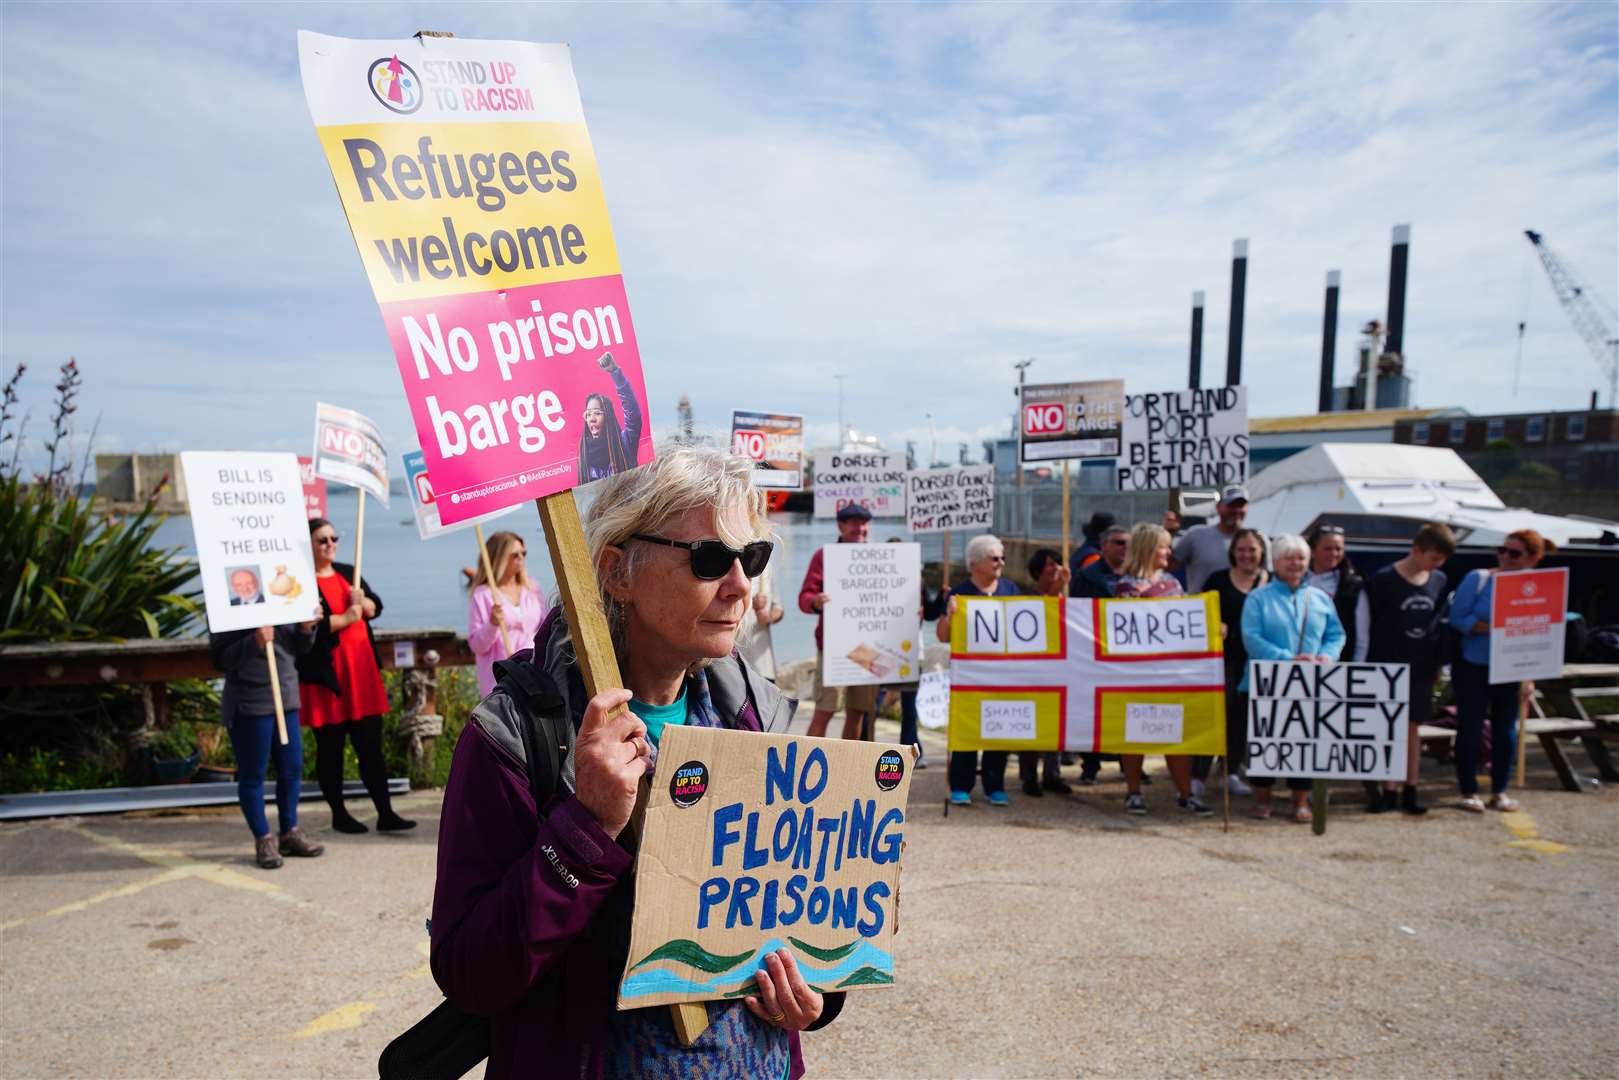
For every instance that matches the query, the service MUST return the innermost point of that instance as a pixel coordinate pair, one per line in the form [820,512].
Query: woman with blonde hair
[1146,575]
[533,903]
[503,615]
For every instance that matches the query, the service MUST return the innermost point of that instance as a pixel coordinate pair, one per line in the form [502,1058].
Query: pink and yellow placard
[471,188]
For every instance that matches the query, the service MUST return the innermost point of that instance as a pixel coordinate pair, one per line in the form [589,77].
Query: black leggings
[366,735]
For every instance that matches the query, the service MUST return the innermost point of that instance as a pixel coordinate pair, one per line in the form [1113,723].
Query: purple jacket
[531,912]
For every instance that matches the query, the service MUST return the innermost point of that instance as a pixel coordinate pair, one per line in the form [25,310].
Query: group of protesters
[1285,597]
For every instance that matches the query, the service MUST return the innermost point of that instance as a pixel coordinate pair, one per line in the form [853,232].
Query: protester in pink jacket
[502,618]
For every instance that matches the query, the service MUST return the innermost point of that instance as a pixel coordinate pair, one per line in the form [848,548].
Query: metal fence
[1035,510]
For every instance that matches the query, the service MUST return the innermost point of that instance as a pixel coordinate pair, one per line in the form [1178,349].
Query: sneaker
[1502,801]
[999,798]
[265,854]
[921,758]
[392,822]
[1058,785]
[294,842]
[1192,804]
[1031,788]
[960,798]
[1087,780]
[1135,804]
[1197,788]
[1237,786]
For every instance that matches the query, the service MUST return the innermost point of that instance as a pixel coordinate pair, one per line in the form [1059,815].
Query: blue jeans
[907,717]
[1475,696]
[254,741]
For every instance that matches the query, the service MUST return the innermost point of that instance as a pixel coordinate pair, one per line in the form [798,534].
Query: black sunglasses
[711,559]
[327,539]
[1511,553]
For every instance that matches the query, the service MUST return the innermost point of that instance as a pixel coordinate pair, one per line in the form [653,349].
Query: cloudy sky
[915,196]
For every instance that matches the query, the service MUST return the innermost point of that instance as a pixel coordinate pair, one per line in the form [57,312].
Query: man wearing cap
[854,527]
[1205,549]
[1091,550]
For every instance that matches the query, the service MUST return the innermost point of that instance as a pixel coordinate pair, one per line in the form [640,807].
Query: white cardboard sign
[1328,721]
[1185,438]
[873,625]
[957,498]
[252,535]
[875,481]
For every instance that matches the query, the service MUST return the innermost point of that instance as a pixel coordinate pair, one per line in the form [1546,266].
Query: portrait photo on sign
[245,585]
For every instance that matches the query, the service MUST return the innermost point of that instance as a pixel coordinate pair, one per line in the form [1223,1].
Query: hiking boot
[265,854]
[293,842]
[1408,800]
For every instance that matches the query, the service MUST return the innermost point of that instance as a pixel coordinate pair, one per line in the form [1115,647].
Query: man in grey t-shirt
[1206,549]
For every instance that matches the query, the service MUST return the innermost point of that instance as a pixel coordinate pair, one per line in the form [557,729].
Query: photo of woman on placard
[608,447]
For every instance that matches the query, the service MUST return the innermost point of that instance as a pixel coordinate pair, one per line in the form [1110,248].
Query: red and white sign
[348,449]
[1043,419]
[748,444]
[1528,609]
[314,489]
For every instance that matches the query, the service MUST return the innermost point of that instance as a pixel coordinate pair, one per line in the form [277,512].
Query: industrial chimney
[1239,286]
[1329,341]
[1195,373]
[1398,256]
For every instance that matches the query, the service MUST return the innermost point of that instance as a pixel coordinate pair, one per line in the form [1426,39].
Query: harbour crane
[1590,314]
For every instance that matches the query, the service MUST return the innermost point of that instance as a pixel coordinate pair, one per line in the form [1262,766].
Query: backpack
[448,1043]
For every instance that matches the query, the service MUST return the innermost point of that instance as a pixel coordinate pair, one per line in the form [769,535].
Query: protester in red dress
[340,690]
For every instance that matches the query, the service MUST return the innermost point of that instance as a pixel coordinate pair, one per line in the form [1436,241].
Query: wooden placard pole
[359,538]
[494,588]
[1321,797]
[275,690]
[598,664]
[944,562]
[1523,720]
[1065,512]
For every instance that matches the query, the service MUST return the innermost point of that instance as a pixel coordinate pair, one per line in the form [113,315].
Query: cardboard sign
[754,843]
[314,488]
[1328,721]
[1185,438]
[1140,676]
[955,498]
[1071,420]
[424,504]
[873,624]
[472,192]
[252,535]
[348,449]
[1528,609]
[875,481]
[774,442]
[933,700]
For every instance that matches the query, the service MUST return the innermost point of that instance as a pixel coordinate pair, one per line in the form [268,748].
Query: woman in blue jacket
[1470,674]
[1288,620]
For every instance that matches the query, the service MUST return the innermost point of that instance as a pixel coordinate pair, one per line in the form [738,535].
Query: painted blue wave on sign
[659,980]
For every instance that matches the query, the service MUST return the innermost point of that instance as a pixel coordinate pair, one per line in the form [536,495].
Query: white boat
[1380,495]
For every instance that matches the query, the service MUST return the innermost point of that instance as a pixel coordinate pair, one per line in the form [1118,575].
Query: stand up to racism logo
[394,83]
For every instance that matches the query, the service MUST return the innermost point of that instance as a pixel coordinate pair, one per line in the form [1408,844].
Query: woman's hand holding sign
[609,759]
[784,998]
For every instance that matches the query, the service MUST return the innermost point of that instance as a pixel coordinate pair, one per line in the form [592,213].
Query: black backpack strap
[544,751]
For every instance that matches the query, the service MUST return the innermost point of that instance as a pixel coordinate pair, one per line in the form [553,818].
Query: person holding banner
[1475,694]
[859,702]
[1041,770]
[1407,628]
[1289,620]
[247,711]
[340,688]
[502,616]
[533,904]
[1245,574]
[986,559]
[1146,574]
[606,446]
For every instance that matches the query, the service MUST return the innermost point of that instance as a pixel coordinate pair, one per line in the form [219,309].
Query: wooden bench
[1553,731]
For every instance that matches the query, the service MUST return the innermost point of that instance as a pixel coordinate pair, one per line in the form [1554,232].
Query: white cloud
[915,196]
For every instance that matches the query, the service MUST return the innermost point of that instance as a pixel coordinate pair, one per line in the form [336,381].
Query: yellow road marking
[177,866]
[339,1019]
[1522,827]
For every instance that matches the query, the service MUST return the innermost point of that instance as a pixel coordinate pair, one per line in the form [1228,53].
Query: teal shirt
[656,716]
